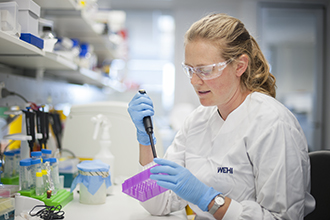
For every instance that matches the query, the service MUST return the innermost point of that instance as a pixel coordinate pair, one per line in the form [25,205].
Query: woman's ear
[242,64]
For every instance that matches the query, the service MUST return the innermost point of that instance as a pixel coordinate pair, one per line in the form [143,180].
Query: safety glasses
[206,72]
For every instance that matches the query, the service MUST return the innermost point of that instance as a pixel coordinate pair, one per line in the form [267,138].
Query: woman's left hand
[181,181]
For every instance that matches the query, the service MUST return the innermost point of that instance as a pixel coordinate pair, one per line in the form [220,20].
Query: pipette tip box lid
[141,187]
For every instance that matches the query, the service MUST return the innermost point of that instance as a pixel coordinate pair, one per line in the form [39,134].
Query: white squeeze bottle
[104,155]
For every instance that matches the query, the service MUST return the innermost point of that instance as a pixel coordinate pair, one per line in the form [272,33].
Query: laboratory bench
[117,206]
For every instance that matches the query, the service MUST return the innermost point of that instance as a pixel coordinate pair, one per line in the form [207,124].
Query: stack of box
[28,18]
[8,18]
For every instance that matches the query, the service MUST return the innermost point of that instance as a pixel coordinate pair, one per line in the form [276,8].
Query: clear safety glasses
[206,72]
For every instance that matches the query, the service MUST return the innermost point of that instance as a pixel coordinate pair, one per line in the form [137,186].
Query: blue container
[31,39]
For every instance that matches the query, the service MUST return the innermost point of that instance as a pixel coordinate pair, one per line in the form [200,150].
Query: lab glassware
[9,164]
[35,167]
[54,174]
[25,174]
[40,188]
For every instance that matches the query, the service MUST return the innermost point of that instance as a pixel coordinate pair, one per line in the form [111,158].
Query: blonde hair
[233,39]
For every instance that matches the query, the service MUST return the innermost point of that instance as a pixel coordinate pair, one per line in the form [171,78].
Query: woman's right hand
[140,107]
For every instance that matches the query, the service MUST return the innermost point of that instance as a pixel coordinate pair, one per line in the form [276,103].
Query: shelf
[11,45]
[73,24]
[58,4]
[86,76]
[15,52]
[81,76]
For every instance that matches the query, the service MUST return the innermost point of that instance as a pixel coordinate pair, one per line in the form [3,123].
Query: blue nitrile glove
[181,181]
[140,107]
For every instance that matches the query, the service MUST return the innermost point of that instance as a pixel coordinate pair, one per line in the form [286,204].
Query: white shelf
[15,52]
[58,4]
[11,45]
[74,25]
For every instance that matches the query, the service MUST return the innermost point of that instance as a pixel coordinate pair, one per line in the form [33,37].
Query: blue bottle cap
[45,160]
[45,151]
[9,153]
[35,161]
[36,154]
[25,162]
[52,160]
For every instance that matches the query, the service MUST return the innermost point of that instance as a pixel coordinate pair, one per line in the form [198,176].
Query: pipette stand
[62,197]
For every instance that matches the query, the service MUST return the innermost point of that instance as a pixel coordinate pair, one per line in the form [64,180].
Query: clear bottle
[25,174]
[46,153]
[0,171]
[54,174]
[36,155]
[17,160]
[47,33]
[45,179]
[40,188]
[9,164]
[35,167]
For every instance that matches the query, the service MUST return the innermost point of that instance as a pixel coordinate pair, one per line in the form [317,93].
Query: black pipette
[149,128]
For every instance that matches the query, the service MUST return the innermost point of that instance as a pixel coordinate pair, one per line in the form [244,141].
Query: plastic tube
[36,155]
[46,153]
[54,174]
[35,167]
[17,160]
[25,174]
[40,188]
[9,164]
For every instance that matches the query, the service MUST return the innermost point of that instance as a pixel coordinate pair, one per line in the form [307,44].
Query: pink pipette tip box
[141,187]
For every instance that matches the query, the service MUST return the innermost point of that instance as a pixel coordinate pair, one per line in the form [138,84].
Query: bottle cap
[52,160]
[9,153]
[25,162]
[45,151]
[36,154]
[35,161]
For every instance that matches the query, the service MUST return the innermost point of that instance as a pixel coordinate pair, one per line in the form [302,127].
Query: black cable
[5,92]
[48,212]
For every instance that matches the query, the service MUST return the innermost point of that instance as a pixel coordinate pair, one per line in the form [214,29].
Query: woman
[241,154]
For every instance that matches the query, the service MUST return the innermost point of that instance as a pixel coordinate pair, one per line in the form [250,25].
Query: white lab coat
[258,157]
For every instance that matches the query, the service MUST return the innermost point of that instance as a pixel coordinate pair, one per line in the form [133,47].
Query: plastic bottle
[40,188]
[25,174]
[9,164]
[0,171]
[46,153]
[35,167]
[45,179]
[47,33]
[17,160]
[54,174]
[104,154]
[36,155]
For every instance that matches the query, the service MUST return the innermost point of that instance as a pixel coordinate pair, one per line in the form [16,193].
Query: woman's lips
[203,92]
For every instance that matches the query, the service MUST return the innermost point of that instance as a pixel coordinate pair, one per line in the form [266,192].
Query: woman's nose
[195,79]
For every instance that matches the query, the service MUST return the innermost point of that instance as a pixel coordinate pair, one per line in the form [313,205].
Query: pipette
[149,128]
